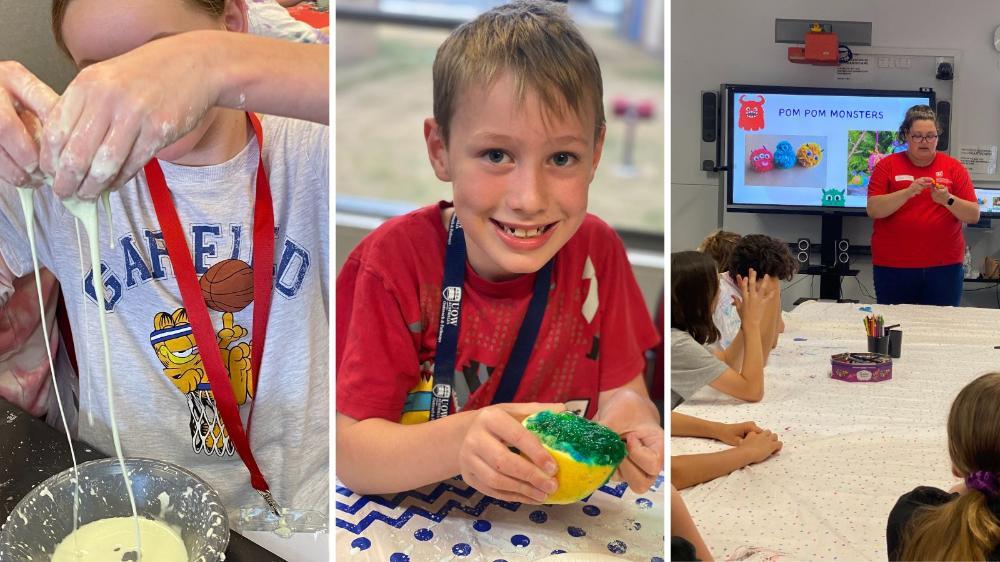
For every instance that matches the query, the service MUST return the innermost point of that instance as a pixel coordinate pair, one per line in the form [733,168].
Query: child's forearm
[752,369]
[682,425]
[376,456]
[271,76]
[733,355]
[688,470]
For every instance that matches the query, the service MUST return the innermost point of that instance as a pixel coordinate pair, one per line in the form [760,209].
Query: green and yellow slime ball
[586,452]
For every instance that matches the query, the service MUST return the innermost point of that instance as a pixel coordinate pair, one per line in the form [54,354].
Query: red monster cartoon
[762,160]
[751,114]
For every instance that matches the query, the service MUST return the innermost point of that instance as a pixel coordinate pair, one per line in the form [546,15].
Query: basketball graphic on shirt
[228,286]
[174,343]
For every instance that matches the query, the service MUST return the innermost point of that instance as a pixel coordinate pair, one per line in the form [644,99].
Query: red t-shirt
[921,233]
[592,338]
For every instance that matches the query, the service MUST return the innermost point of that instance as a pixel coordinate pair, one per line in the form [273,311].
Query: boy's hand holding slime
[632,416]
[488,465]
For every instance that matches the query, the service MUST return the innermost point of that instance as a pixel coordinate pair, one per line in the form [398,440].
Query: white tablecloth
[450,521]
[850,449]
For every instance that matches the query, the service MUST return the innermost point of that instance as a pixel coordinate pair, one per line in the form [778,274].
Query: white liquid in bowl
[110,540]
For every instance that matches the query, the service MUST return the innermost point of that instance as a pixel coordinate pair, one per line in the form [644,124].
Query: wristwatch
[951,200]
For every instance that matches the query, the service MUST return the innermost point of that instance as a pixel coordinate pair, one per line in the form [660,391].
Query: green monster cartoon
[833,198]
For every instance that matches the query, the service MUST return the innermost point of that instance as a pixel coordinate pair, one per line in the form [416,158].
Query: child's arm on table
[688,470]
[682,425]
[377,456]
[629,412]
[682,525]
[748,383]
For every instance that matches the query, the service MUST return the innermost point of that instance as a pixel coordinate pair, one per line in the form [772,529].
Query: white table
[850,449]
[450,521]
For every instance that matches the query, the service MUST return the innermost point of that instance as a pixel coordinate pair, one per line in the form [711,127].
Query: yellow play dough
[599,449]
[577,480]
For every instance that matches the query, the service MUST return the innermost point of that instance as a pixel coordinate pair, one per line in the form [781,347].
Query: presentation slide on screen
[811,150]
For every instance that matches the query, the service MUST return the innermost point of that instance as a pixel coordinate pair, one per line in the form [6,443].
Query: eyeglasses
[921,138]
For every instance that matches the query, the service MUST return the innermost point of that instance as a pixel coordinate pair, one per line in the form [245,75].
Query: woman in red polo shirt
[919,200]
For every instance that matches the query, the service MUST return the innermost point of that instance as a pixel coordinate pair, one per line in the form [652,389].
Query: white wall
[720,41]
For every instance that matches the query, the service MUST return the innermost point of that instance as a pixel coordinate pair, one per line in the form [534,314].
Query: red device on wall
[821,48]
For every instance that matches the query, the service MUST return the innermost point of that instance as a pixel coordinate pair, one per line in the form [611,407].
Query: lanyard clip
[269,500]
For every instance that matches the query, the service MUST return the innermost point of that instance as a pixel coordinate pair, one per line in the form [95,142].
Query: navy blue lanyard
[451,314]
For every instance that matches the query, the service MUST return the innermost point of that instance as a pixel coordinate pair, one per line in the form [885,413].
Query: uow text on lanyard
[197,311]
[451,314]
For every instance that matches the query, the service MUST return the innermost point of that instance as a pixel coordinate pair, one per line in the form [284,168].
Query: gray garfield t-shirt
[164,407]
[692,366]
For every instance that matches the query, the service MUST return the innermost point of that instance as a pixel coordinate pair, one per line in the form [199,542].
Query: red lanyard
[197,311]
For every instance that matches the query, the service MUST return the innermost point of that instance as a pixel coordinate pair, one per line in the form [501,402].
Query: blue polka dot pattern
[361,543]
[644,503]
[520,540]
[591,510]
[461,549]
[558,552]
[575,531]
[399,557]
[482,525]
[423,534]
[617,547]
[538,517]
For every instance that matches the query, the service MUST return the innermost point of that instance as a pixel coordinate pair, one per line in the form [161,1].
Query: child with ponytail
[931,524]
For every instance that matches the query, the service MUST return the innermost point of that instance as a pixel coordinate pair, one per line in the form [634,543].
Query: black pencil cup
[878,345]
[895,343]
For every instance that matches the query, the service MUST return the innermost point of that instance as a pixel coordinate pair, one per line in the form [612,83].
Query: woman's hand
[940,194]
[23,100]
[756,297]
[116,114]
[919,185]
[490,467]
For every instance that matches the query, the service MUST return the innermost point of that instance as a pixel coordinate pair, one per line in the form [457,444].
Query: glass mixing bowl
[163,491]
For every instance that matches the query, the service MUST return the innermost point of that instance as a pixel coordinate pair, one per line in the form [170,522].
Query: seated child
[768,256]
[694,290]
[551,316]
[931,524]
[719,245]
[751,444]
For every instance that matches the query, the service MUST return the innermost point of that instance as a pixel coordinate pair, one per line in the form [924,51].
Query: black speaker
[802,250]
[842,253]
[709,116]
[944,118]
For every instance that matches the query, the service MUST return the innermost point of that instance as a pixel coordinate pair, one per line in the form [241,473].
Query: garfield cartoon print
[173,341]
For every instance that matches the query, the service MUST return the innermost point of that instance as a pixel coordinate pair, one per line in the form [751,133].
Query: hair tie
[984,481]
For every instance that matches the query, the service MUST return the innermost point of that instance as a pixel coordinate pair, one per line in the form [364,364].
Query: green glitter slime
[586,441]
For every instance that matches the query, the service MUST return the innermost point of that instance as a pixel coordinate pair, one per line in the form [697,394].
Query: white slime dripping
[86,211]
[28,206]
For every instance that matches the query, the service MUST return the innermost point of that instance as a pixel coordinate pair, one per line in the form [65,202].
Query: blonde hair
[720,245]
[537,43]
[965,528]
[214,7]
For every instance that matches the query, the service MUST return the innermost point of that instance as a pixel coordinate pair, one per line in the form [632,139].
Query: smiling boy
[456,321]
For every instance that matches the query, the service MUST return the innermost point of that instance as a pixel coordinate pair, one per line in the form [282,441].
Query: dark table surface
[31,451]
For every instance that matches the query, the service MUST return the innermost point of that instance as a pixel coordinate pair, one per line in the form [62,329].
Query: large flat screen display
[809,150]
